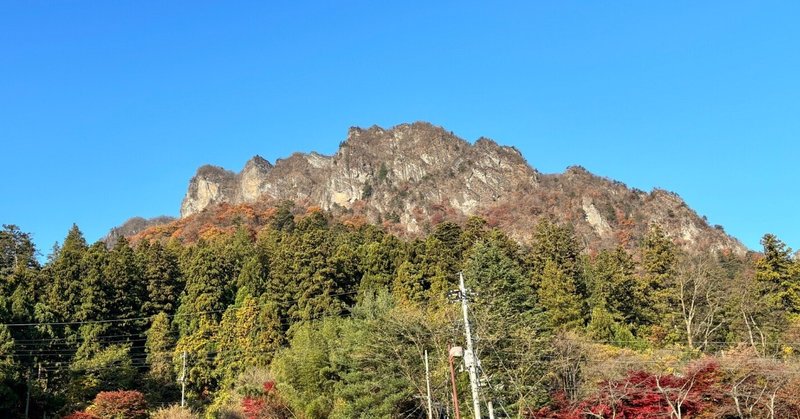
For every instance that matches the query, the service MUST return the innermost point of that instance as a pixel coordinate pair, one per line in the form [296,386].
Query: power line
[131,319]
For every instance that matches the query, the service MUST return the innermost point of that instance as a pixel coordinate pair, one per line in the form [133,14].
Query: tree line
[312,318]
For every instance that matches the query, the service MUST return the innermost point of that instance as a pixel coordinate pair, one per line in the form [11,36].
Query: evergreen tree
[9,374]
[658,256]
[208,287]
[249,335]
[376,358]
[160,379]
[96,298]
[449,234]
[200,348]
[20,278]
[508,321]
[439,266]
[254,275]
[96,367]
[66,272]
[658,268]
[159,348]
[474,231]
[128,290]
[161,272]
[409,284]
[16,250]
[63,275]
[317,290]
[601,326]
[379,263]
[778,269]
[238,249]
[498,280]
[558,244]
[559,297]
[284,219]
[613,286]
[346,267]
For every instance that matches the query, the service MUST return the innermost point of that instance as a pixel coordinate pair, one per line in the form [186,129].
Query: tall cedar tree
[409,283]
[379,263]
[317,293]
[208,287]
[161,272]
[613,284]
[508,322]
[442,260]
[558,244]
[20,280]
[160,380]
[128,290]
[777,270]
[658,268]
[253,277]
[9,373]
[97,295]
[16,251]
[559,297]
[159,348]
[66,274]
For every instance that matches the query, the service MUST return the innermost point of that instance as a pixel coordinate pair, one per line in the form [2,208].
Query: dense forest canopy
[313,318]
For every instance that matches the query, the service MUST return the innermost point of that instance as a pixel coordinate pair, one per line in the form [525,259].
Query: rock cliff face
[393,170]
[412,176]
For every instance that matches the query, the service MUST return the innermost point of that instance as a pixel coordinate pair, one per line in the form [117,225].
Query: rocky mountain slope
[412,176]
[135,226]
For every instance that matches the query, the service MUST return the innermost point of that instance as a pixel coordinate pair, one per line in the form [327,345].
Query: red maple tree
[642,395]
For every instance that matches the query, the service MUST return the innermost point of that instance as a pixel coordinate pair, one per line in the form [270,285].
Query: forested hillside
[310,317]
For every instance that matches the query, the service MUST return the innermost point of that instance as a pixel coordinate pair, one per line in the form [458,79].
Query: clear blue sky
[108,107]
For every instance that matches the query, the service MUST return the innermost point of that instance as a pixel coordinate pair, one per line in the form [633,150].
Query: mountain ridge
[412,176]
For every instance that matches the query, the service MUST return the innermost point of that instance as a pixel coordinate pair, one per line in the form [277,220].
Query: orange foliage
[355,221]
[625,226]
[211,232]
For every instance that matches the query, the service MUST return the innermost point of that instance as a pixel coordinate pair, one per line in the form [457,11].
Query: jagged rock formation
[134,226]
[412,176]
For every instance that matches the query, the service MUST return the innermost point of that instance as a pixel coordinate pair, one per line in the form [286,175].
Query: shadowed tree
[161,272]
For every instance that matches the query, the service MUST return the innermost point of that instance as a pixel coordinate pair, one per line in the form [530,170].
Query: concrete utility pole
[183,381]
[428,383]
[470,359]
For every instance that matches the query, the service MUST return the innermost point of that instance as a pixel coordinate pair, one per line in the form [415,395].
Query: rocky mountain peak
[412,176]
[257,163]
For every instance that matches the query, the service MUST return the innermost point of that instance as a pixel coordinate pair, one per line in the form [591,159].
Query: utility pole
[183,381]
[490,406]
[470,359]
[428,383]
[28,396]
[456,408]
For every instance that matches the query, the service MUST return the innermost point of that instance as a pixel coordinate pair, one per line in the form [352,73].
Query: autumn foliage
[642,394]
[265,405]
[120,404]
[80,415]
